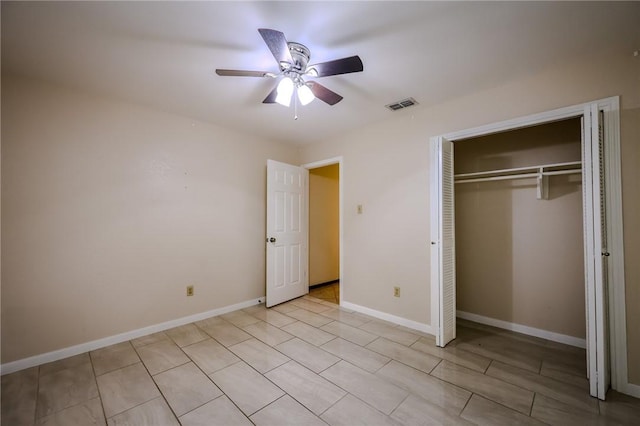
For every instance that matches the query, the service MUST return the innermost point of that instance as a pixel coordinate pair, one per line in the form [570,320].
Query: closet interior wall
[520,259]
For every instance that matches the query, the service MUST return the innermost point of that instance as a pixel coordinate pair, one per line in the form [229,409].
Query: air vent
[405,103]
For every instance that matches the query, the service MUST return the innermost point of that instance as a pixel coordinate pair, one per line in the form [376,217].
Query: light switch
[359,208]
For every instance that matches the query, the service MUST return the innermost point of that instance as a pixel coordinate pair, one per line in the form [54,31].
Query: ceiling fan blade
[338,66]
[324,94]
[271,97]
[277,44]
[242,73]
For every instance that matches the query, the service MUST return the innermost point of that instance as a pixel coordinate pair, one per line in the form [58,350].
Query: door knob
[272,240]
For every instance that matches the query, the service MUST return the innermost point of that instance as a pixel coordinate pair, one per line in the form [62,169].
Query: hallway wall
[324,224]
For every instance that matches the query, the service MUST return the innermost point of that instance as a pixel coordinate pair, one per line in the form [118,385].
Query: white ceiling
[163,54]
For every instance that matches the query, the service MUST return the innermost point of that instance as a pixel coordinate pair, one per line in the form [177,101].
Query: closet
[519,229]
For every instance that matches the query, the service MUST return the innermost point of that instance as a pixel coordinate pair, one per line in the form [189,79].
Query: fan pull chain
[295,107]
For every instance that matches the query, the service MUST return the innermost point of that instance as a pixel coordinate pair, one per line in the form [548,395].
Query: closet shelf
[540,172]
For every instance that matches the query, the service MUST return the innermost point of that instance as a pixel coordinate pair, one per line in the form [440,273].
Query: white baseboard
[519,328]
[33,361]
[630,389]
[414,325]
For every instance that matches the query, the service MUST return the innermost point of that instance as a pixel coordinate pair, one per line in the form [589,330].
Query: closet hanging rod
[562,172]
[531,169]
[519,176]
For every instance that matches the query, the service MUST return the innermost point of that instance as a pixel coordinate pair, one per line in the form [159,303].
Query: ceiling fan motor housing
[300,54]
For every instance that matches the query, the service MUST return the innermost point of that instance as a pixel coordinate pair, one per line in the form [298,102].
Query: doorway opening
[325,230]
[519,235]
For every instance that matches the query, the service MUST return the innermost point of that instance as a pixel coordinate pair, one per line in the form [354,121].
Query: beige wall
[630,153]
[109,210]
[520,259]
[324,224]
[385,168]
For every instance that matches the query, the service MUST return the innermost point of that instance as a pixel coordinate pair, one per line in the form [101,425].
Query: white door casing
[604,275]
[443,259]
[287,232]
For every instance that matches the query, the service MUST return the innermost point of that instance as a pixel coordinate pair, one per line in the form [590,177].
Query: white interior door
[596,254]
[443,261]
[287,232]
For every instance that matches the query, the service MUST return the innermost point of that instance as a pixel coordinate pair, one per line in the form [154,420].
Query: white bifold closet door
[596,254]
[443,255]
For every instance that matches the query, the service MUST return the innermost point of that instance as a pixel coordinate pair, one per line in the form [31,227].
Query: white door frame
[616,290]
[329,162]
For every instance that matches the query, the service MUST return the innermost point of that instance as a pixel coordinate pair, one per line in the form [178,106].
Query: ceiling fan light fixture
[305,94]
[285,90]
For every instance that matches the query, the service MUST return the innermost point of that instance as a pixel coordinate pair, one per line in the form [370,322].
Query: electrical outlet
[189,290]
[396,291]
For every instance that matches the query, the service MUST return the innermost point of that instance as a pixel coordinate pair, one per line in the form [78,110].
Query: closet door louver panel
[443,268]
[601,257]
[595,251]
[447,247]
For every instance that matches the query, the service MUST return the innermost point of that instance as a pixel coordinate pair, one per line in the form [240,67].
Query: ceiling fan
[293,59]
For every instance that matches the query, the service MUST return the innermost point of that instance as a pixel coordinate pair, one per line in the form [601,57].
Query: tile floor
[308,362]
